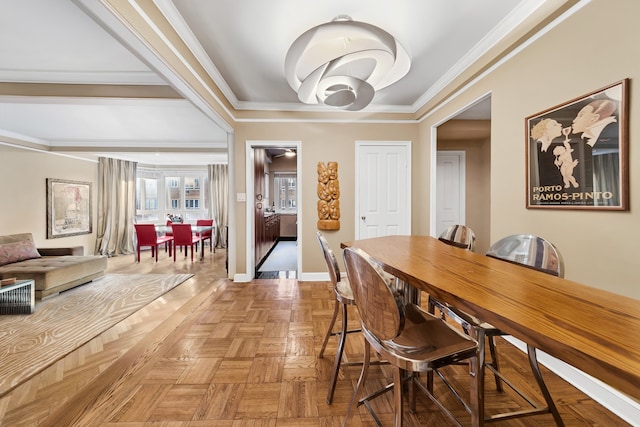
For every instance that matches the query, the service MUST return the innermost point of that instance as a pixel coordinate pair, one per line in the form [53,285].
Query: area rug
[29,343]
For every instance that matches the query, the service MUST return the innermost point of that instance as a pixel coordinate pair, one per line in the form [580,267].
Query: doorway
[272,206]
[468,132]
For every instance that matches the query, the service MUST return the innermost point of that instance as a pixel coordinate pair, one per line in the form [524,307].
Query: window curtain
[116,206]
[219,196]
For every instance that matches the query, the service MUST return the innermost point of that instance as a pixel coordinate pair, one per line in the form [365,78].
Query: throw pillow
[17,251]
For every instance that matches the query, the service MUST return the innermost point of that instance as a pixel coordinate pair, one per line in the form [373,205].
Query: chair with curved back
[344,298]
[146,235]
[168,233]
[183,236]
[537,253]
[461,237]
[410,339]
[206,234]
[532,252]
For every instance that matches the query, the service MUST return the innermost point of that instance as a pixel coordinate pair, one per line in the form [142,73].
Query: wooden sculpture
[329,195]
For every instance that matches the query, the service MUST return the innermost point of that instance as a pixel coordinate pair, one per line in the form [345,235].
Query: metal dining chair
[146,235]
[183,236]
[403,334]
[461,237]
[343,299]
[528,251]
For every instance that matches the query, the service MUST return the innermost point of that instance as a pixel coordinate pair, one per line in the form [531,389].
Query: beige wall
[23,194]
[577,57]
[570,60]
[321,142]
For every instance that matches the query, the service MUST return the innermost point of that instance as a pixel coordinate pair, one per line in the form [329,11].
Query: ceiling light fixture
[343,63]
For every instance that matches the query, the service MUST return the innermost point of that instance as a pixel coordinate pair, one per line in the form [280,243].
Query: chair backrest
[146,234]
[530,251]
[378,303]
[330,259]
[206,222]
[182,234]
[460,236]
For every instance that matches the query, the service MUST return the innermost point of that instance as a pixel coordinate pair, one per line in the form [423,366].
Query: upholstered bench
[53,269]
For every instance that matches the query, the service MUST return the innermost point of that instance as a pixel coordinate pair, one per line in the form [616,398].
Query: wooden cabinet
[268,236]
[267,228]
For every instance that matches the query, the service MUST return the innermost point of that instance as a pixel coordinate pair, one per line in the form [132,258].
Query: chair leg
[138,253]
[397,396]
[363,374]
[339,352]
[533,361]
[330,332]
[192,252]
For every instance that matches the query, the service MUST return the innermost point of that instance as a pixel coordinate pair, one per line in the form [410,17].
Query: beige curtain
[219,196]
[116,206]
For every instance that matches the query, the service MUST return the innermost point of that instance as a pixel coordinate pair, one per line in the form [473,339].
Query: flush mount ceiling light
[343,62]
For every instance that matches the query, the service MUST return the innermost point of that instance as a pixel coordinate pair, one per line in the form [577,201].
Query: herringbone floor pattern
[214,353]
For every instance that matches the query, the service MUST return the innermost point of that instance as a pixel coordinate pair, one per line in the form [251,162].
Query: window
[147,198]
[285,191]
[192,193]
[159,193]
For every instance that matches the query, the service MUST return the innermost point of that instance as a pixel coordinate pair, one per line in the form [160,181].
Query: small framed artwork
[68,208]
[577,152]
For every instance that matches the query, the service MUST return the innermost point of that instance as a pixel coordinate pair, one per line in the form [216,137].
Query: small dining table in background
[589,328]
[195,229]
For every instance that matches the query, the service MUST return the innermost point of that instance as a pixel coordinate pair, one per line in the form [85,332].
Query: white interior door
[450,189]
[383,189]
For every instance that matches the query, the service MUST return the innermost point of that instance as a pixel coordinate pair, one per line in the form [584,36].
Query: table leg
[476,377]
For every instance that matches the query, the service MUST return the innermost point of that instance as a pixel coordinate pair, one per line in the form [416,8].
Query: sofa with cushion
[53,269]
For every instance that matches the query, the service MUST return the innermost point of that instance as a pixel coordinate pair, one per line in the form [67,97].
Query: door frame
[250,263]
[358,146]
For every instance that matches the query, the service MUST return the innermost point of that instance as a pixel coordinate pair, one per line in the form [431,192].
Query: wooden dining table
[592,329]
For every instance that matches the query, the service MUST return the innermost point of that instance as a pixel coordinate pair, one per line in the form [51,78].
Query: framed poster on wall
[577,152]
[68,208]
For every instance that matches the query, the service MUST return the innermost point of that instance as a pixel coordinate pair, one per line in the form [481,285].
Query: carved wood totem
[329,195]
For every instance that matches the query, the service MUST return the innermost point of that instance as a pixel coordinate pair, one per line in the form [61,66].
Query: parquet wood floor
[215,353]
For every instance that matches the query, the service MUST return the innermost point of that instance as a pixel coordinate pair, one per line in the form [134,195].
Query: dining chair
[403,334]
[537,253]
[343,299]
[146,235]
[206,234]
[528,251]
[462,237]
[170,234]
[183,236]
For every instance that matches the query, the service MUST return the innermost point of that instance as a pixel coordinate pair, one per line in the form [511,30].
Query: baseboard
[314,277]
[618,403]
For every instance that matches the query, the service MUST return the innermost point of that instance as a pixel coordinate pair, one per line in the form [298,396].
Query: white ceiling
[242,44]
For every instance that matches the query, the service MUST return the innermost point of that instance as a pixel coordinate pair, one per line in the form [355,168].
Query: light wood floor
[216,353]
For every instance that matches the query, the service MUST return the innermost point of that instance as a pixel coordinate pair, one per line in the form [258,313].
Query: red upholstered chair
[169,234]
[206,234]
[147,236]
[183,236]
